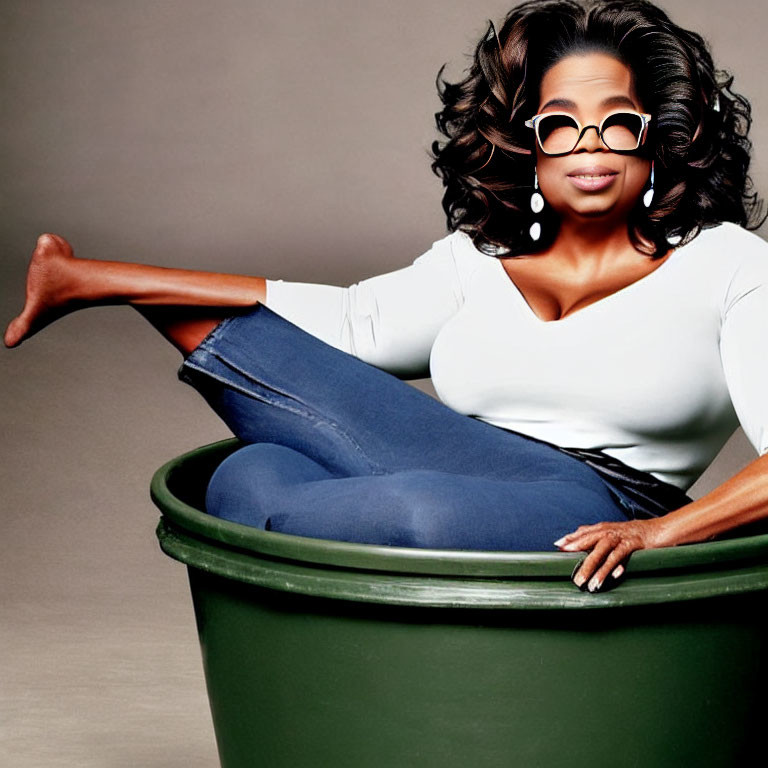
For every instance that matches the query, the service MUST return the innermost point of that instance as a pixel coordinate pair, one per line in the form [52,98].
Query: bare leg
[184,305]
[184,327]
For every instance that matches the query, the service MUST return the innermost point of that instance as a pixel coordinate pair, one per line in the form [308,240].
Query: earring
[648,196]
[537,206]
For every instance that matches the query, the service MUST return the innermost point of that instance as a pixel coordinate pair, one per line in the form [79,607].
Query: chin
[595,210]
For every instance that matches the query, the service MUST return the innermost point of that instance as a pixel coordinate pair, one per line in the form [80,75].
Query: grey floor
[110,680]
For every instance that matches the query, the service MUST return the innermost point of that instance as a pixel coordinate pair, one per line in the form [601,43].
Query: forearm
[740,500]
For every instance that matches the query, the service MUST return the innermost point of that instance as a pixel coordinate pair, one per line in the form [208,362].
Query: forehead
[586,80]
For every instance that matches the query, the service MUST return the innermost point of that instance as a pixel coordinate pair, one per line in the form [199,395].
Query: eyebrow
[611,101]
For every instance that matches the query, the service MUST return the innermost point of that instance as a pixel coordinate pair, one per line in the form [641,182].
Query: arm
[740,500]
[743,498]
[389,320]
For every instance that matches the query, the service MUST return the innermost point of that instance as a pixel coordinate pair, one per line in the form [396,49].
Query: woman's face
[590,86]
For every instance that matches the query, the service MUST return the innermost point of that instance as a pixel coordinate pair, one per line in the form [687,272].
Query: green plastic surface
[323,653]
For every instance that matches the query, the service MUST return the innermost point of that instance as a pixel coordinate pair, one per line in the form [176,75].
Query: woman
[602,367]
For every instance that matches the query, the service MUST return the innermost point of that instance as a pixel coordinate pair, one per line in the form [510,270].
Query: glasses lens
[557,133]
[622,130]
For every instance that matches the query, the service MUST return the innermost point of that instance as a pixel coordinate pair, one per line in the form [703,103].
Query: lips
[593,170]
[592,178]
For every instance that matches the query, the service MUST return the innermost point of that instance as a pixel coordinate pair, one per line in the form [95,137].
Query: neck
[591,243]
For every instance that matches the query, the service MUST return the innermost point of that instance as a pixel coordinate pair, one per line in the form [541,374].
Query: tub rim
[381,573]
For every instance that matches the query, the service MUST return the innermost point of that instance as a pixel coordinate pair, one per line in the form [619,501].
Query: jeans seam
[305,413]
[242,372]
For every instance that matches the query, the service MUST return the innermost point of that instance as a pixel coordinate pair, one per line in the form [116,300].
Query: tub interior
[189,474]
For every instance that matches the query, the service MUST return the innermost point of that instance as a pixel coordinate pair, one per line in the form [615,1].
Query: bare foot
[49,289]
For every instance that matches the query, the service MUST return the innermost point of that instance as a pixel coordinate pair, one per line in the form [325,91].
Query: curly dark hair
[697,137]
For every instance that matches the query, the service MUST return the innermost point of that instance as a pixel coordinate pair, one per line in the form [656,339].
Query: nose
[590,139]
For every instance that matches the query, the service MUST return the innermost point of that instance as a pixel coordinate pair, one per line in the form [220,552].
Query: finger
[612,561]
[583,541]
[580,531]
[601,550]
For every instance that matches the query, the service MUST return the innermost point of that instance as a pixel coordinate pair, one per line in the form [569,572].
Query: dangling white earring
[648,196]
[537,206]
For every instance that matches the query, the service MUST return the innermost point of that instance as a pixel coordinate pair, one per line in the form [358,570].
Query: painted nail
[617,571]
[579,580]
[560,541]
[594,584]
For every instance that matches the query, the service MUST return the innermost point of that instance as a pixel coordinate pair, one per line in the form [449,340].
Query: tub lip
[436,562]
[457,591]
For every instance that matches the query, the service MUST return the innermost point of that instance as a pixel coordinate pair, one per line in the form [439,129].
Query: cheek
[553,184]
[637,175]
[551,180]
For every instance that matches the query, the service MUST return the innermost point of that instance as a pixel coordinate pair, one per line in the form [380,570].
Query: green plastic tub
[325,653]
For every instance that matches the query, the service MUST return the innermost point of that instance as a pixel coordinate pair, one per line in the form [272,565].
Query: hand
[611,545]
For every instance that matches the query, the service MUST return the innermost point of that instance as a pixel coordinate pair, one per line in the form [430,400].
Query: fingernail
[579,580]
[560,541]
[594,584]
[617,571]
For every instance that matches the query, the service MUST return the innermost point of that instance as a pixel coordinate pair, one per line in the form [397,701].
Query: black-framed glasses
[558,133]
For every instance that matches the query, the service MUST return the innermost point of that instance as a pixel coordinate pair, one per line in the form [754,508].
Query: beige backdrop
[287,139]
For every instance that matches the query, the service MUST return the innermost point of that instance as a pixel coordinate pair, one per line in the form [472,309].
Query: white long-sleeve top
[658,374]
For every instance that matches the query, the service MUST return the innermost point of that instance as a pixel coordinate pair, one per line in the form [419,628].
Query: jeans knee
[419,508]
[242,488]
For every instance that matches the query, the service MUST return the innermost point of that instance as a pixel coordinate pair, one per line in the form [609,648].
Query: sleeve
[389,320]
[744,342]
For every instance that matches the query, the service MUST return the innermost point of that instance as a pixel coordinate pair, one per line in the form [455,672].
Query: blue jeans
[339,449]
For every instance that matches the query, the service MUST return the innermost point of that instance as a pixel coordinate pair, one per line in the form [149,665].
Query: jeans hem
[200,353]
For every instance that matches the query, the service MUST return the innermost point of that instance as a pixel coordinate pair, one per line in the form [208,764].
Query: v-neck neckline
[621,291]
